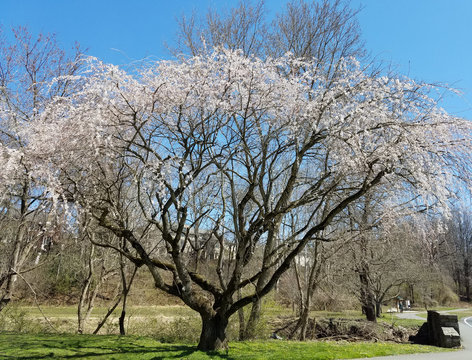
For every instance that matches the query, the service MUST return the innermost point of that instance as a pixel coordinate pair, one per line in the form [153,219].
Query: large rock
[449,337]
[440,330]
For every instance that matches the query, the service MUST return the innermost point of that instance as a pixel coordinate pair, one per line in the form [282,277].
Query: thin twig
[36,302]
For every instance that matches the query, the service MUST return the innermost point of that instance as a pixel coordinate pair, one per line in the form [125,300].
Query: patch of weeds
[14,318]
[181,329]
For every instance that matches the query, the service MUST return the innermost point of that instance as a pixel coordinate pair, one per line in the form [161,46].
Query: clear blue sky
[428,40]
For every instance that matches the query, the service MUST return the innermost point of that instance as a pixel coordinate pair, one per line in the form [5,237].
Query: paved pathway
[465,327]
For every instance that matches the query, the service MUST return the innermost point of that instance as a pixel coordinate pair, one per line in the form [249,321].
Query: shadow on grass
[181,351]
[36,347]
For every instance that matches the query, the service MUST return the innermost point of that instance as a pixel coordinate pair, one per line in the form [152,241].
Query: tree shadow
[79,347]
[181,351]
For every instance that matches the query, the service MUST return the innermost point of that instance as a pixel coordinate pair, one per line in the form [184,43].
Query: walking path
[465,327]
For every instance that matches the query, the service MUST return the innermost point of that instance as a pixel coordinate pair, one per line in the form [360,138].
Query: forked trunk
[213,336]
[304,324]
[300,326]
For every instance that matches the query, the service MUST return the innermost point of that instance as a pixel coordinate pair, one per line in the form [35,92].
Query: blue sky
[427,40]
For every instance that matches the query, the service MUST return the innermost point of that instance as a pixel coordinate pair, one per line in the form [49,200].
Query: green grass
[460,314]
[394,320]
[66,346]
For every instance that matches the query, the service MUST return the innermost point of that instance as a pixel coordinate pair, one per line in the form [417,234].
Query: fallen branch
[36,302]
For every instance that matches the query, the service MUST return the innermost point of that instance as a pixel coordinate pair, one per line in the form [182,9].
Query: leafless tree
[459,250]
[27,66]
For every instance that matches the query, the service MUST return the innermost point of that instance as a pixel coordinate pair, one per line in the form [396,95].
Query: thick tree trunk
[369,311]
[366,295]
[213,336]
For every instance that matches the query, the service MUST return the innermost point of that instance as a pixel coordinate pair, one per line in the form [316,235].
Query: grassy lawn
[394,320]
[460,314]
[170,332]
[66,346]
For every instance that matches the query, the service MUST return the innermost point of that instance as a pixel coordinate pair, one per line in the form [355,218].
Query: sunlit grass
[394,320]
[460,314]
[27,346]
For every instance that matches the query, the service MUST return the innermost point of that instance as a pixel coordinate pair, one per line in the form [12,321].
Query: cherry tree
[324,31]
[254,141]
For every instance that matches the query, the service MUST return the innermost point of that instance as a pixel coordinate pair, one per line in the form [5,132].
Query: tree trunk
[121,321]
[378,309]
[366,295]
[125,290]
[412,294]
[253,321]
[301,326]
[107,315]
[367,300]
[242,321]
[303,310]
[84,294]
[213,336]
[467,278]
[255,315]
[13,267]
[369,311]
[304,324]
[80,307]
